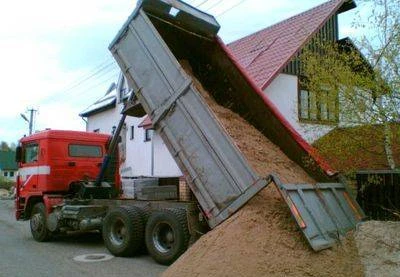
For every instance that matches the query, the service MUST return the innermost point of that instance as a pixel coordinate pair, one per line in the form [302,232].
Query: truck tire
[123,231]
[167,235]
[38,223]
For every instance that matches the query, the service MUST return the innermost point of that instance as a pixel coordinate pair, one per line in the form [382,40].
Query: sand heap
[261,239]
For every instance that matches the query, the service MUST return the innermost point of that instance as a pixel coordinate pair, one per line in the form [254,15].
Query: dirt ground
[262,239]
[379,248]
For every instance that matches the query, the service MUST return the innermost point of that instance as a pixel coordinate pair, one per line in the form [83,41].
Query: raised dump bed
[158,35]
[218,175]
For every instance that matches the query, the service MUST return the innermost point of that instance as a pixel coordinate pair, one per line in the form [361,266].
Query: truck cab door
[29,167]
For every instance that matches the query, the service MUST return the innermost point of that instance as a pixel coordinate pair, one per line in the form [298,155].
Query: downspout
[86,123]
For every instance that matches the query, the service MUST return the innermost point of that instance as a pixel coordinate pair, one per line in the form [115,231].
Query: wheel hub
[118,232]
[36,222]
[163,237]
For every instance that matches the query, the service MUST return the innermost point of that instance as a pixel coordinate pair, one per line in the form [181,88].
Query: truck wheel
[167,235]
[123,231]
[38,223]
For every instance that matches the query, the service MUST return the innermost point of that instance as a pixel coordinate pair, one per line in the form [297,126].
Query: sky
[55,59]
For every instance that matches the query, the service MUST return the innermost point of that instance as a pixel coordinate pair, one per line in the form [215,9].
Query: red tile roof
[265,53]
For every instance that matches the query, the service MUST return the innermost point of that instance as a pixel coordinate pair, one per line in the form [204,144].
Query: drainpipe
[86,123]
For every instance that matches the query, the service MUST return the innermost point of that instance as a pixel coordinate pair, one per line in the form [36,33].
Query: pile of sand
[262,239]
[379,247]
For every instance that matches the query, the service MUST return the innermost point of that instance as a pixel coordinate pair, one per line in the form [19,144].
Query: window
[319,107]
[31,153]
[88,151]
[132,132]
[148,133]
[5,173]
[11,173]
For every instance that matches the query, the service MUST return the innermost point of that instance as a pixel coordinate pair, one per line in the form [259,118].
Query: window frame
[132,132]
[318,103]
[84,156]
[148,134]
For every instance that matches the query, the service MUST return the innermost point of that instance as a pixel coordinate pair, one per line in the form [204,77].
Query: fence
[378,193]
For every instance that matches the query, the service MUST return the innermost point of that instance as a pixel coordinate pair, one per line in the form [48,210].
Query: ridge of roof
[264,53]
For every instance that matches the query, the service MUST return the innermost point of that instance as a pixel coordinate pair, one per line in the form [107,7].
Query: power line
[213,6]
[114,76]
[73,90]
[234,6]
[203,2]
[89,73]
[91,76]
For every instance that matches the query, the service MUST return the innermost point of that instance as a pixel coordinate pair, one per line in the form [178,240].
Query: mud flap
[324,212]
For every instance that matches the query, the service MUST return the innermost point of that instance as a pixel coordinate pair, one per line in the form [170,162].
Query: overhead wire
[234,6]
[213,6]
[107,66]
[203,2]
[111,77]
[90,72]
[73,90]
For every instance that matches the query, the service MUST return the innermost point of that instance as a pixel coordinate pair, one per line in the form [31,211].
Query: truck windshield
[79,150]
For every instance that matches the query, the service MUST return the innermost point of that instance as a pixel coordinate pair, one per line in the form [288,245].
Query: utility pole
[30,120]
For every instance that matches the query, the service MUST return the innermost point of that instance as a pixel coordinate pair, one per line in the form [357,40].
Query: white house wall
[283,92]
[142,158]
[138,152]
[164,164]
[103,121]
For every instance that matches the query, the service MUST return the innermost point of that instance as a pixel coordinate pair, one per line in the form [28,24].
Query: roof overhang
[346,6]
[109,106]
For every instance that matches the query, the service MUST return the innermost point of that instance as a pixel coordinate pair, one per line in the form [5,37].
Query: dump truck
[69,180]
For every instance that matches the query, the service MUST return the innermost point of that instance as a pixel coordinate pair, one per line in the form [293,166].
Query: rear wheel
[38,223]
[167,235]
[123,231]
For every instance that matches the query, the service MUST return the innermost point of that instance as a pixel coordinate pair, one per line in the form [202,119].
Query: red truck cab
[51,161]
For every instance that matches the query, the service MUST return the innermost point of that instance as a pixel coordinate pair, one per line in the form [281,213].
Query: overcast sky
[54,55]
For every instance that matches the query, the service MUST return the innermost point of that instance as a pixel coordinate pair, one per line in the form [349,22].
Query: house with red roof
[271,58]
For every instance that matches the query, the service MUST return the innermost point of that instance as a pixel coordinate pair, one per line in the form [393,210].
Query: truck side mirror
[18,154]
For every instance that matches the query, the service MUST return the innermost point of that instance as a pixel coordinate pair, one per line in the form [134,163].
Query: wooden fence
[378,193]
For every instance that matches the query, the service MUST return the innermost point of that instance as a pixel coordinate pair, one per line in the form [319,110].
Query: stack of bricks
[185,193]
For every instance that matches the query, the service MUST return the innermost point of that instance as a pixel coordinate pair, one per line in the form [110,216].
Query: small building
[8,165]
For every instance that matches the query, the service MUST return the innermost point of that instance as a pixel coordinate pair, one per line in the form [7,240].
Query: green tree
[4,146]
[366,77]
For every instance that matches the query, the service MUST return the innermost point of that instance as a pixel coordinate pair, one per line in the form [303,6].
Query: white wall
[283,92]
[103,121]
[164,164]
[142,158]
